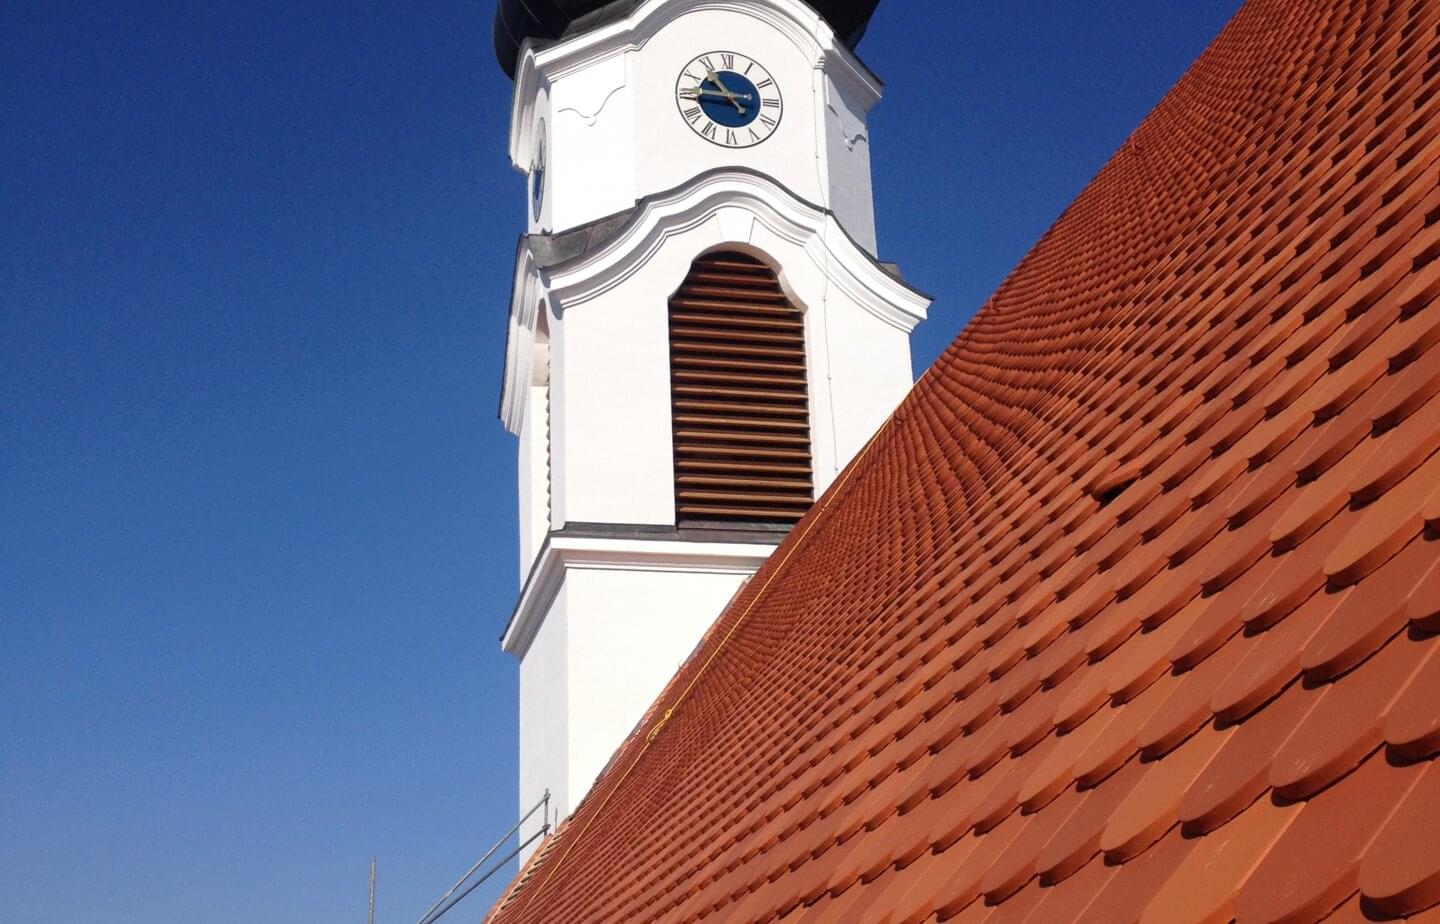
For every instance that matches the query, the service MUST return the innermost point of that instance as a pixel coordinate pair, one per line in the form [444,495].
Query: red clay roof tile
[1316,862]
[1117,743]
[1203,888]
[1272,662]
[1077,840]
[1378,608]
[1016,867]
[1152,807]
[1385,527]
[1131,611]
[1412,727]
[1125,897]
[962,886]
[1240,771]
[1400,873]
[1345,723]
[1188,707]
[1068,900]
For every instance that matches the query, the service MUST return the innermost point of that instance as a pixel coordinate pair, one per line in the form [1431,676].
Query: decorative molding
[596,85]
[807,226]
[561,555]
[523,107]
[851,140]
[724,197]
[736,224]
[593,117]
[526,295]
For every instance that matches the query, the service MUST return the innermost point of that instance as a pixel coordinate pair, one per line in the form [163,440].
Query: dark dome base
[518,20]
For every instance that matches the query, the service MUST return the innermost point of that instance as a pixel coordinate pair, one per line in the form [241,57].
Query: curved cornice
[814,229]
[571,283]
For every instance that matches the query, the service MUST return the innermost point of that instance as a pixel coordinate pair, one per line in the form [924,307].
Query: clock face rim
[681,103]
[537,175]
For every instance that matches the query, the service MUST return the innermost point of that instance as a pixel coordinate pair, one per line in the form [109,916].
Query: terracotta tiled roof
[1129,613]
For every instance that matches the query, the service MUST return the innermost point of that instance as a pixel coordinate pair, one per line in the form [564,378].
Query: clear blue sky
[256,511]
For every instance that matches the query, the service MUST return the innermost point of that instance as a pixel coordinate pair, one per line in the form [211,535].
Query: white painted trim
[794,19]
[520,340]
[815,231]
[529,85]
[560,555]
[804,224]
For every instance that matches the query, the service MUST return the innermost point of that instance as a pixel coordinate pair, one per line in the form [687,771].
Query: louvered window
[738,396]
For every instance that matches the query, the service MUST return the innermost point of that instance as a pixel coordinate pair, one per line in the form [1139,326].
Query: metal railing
[465,884]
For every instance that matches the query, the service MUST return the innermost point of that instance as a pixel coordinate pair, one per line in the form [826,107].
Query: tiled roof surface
[1129,613]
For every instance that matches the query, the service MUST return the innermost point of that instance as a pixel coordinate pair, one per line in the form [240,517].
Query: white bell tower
[700,338]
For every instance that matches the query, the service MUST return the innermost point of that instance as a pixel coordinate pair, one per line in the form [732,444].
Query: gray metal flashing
[770,533]
[553,249]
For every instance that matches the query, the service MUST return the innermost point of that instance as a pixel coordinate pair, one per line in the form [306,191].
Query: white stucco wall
[533,469]
[614,632]
[545,716]
[865,372]
[612,404]
[846,160]
[615,133]
[629,631]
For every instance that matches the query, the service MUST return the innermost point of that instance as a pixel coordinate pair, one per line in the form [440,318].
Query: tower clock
[729,99]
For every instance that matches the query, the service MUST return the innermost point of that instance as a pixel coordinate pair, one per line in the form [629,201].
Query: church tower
[700,334]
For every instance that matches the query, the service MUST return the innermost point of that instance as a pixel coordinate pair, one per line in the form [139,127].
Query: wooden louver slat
[739,403]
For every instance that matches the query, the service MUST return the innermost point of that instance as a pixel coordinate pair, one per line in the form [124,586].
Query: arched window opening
[739,403]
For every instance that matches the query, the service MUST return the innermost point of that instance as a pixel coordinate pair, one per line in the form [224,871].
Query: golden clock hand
[697,92]
[715,79]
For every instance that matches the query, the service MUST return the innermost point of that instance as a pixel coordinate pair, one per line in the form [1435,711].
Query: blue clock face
[729,99]
[720,94]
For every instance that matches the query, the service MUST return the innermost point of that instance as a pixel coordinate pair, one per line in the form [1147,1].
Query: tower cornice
[563,553]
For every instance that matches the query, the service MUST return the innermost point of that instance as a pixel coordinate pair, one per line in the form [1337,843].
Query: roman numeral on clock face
[709,131]
[727,61]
